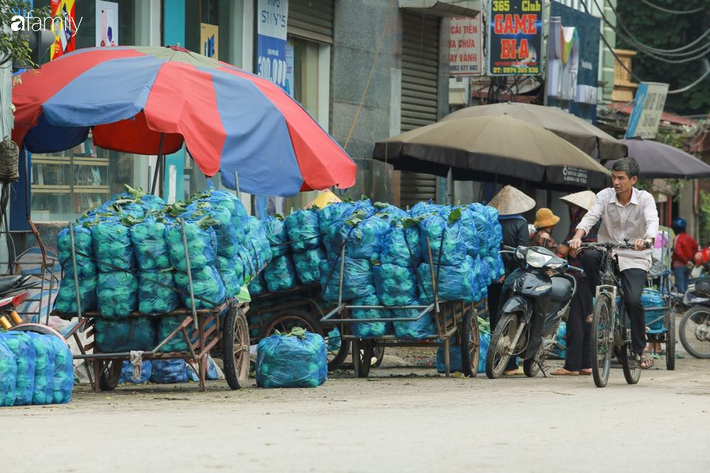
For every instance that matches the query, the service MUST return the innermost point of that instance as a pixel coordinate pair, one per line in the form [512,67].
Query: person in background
[511,204]
[545,222]
[579,342]
[684,250]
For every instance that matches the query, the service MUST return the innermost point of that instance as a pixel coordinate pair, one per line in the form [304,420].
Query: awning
[469,8]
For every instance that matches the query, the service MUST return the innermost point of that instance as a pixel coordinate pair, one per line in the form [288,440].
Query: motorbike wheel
[670,340]
[531,368]
[602,340]
[694,330]
[501,341]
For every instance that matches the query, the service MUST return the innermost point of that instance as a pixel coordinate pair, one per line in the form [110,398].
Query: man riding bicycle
[627,214]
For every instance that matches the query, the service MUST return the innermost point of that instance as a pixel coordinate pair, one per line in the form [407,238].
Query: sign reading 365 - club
[515,37]
[272,21]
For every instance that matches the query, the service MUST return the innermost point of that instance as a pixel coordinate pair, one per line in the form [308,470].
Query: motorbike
[13,292]
[534,299]
[694,327]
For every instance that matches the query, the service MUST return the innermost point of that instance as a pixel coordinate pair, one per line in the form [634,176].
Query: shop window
[308,76]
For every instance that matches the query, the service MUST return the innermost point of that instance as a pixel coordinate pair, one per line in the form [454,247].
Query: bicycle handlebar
[612,245]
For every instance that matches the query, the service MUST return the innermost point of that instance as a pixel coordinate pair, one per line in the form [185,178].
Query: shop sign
[106,23]
[272,22]
[465,38]
[648,108]
[64,38]
[209,37]
[574,175]
[515,37]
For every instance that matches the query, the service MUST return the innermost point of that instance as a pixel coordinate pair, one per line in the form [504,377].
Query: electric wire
[673,12]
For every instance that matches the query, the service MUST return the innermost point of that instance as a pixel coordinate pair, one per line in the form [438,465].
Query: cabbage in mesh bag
[417,330]
[231,271]
[166,325]
[454,283]
[127,372]
[235,207]
[307,265]
[115,336]
[245,257]
[303,230]
[469,233]
[151,203]
[280,274]
[169,371]
[357,279]
[156,293]
[66,297]
[117,294]
[83,244]
[20,344]
[112,245]
[221,221]
[401,244]
[370,329]
[480,218]
[451,247]
[496,229]
[424,208]
[276,234]
[257,285]
[334,212]
[63,371]
[395,285]
[149,243]
[390,210]
[201,242]
[44,368]
[295,360]
[207,286]
[257,244]
[8,375]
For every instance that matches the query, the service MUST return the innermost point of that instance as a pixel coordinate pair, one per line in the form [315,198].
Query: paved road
[404,420]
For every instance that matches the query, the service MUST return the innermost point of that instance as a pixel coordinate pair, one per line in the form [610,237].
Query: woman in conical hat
[511,204]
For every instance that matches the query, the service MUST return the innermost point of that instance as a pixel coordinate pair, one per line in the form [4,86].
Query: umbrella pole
[158,165]
[236,183]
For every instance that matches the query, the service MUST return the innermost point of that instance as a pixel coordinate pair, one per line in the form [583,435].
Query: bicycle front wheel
[602,339]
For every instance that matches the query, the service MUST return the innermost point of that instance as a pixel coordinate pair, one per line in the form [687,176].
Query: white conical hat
[584,199]
[511,201]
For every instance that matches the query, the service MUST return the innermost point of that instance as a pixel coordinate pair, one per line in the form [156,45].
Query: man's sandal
[564,372]
[646,361]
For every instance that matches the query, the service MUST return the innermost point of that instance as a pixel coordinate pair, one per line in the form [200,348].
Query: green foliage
[705,213]
[12,45]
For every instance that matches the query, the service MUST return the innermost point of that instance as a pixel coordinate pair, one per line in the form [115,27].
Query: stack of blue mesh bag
[34,369]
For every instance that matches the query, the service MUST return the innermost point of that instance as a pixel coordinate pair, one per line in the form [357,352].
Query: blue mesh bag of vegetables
[303,230]
[258,244]
[495,227]
[157,293]
[470,235]
[149,243]
[117,294]
[231,271]
[417,330]
[83,244]
[136,333]
[370,329]
[257,285]
[127,372]
[451,246]
[362,236]
[401,244]
[455,361]
[334,212]
[44,368]
[166,325]
[280,274]
[21,345]
[66,297]
[235,207]
[295,360]
[207,286]
[481,220]
[424,208]
[395,285]
[112,245]
[169,371]
[334,340]
[8,375]
[151,203]
[201,242]
[63,371]
[275,230]
[220,220]
[247,262]
[307,264]
[453,282]
[389,209]
[357,279]
[559,350]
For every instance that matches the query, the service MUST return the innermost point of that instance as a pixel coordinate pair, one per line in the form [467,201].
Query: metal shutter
[311,19]
[420,94]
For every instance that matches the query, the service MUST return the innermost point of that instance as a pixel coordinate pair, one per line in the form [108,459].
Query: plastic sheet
[452,248]
[401,246]
[453,282]
[117,294]
[206,284]
[276,234]
[112,245]
[166,325]
[200,245]
[66,297]
[154,298]
[303,230]
[149,243]
[44,368]
[127,372]
[307,265]
[169,371]
[395,285]
[280,274]
[655,311]
[417,330]
[8,375]
[83,245]
[357,279]
[21,345]
[370,329]
[115,336]
[231,271]
[292,361]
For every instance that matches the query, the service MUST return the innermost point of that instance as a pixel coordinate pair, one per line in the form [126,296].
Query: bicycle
[610,325]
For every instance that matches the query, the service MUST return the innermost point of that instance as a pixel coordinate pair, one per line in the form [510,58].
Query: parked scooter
[535,298]
[694,327]
[13,291]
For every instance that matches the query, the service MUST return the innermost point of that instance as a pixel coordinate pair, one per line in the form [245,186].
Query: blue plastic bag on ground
[157,293]
[112,246]
[280,274]
[169,371]
[117,294]
[44,368]
[207,286]
[559,351]
[276,234]
[83,245]
[303,230]
[63,371]
[149,244]
[370,329]
[395,285]
[307,265]
[115,336]
[401,246]
[295,360]
[452,247]
[453,282]
[21,345]
[127,372]
[66,297]
[166,325]
[417,330]
[8,375]
[357,279]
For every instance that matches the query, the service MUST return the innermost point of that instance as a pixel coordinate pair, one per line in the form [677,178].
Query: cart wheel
[338,350]
[670,340]
[110,374]
[378,353]
[235,349]
[362,358]
[470,344]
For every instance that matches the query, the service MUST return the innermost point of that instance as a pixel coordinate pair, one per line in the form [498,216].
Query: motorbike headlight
[542,288]
[537,260]
[555,266]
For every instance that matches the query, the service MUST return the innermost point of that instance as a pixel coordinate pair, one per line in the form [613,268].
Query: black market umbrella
[498,148]
[579,132]
[662,161]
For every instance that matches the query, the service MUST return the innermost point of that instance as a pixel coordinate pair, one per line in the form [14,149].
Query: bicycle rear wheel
[602,340]
[632,368]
